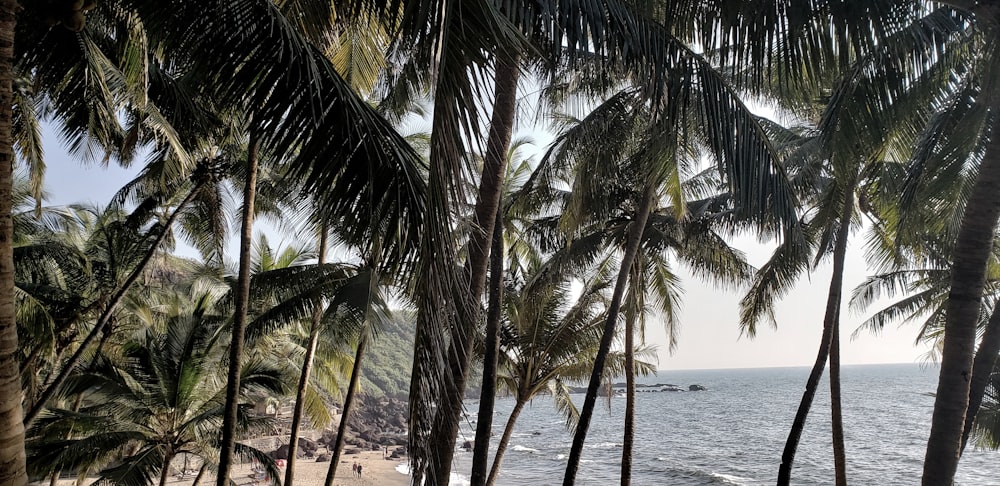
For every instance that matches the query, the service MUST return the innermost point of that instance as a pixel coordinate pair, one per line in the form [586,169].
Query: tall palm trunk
[12,456]
[241,300]
[628,436]
[635,231]
[165,469]
[972,251]
[307,364]
[836,411]
[982,369]
[831,322]
[352,388]
[445,432]
[505,440]
[102,321]
[487,396]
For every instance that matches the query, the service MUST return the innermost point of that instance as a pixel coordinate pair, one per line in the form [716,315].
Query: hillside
[387,364]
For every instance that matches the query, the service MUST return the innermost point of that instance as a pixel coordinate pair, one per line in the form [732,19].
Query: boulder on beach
[467,445]
[323,458]
[696,388]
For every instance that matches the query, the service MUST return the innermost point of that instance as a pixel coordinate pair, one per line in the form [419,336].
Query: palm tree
[549,339]
[647,157]
[372,315]
[117,291]
[319,93]
[160,398]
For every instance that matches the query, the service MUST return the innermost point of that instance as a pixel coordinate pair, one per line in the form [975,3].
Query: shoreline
[375,470]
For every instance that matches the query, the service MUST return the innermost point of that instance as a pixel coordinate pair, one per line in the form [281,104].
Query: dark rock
[467,445]
[323,458]
[697,388]
[351,451]
[307,446]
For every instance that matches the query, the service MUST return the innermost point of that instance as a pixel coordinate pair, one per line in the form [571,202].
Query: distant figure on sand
[359,471]
[354,468]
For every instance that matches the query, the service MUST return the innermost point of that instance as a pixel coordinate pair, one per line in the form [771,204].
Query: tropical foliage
[119,356]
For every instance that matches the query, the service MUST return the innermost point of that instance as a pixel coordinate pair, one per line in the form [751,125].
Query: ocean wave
[604,445]
[521,448]
[729,478]
[456,479]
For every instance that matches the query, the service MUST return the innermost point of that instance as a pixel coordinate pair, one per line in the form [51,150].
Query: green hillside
[387,364]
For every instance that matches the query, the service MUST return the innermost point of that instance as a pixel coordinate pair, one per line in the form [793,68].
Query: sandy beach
[375,470]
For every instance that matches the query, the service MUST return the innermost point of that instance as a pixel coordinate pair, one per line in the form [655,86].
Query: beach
[308,472]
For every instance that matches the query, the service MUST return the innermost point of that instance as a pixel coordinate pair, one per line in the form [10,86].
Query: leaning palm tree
[853,153]
[288,109]
[548,339]
[159,397]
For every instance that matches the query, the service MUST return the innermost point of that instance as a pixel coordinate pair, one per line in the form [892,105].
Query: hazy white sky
[709,335]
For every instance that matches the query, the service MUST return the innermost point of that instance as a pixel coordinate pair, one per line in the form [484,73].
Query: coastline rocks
[697,388]
[323,458]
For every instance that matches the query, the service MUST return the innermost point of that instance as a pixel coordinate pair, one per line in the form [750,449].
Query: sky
[709,335]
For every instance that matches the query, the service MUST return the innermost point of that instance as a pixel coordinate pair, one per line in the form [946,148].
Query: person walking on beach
[359,471]
[354,468]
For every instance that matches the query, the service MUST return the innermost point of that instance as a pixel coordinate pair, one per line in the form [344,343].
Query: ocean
[733,433]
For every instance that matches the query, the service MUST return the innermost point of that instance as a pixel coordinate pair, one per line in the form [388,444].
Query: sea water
[734,432]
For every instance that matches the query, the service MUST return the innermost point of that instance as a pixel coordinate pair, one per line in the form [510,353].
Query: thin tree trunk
[307,364]
[352,388]
[836,412]
[13,469]
[628,436]
[831,321]
[487,396]
[505,440]
[972,251]
[982,369]
[165,470]
[201,474]
[445,431]
[241,302]
[635,231]
[102,321]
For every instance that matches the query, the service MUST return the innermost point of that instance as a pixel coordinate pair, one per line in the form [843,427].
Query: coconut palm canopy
[112,349]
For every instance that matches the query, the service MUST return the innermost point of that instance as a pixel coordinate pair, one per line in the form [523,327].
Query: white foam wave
[730,479]
[605,445]
[456,479]
[521,448]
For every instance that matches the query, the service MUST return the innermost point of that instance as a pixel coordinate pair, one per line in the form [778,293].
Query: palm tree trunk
[102,321]
[831,322]
[307,364]
[352,388]
[241,302]
[972,250]
[201,474]
[12,456]
[505,440]
[487,396]
[631,249]
[836,412]
[165,470]
[628,436]
[982,368]
[445,432]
